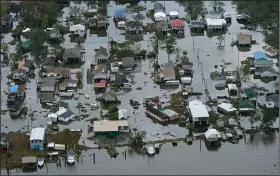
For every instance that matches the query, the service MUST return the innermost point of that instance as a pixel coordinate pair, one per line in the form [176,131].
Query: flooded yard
[243,158]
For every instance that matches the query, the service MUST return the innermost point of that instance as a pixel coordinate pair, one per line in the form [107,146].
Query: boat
[71,157]
[174,143]
[41,162]
[150,149]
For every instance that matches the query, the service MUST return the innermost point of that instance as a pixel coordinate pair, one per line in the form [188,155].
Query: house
[168,73]
[120,15]
[134,27]
[259,56]
[154,113]
[78,30]
[187,65]
[102,22]
[71,84]
[52,117]
[73,55]
[54,34]
[5,142]
[226,108]
[158,7]
[215,24]
[266,73]
[162,26]
[16,93]
[122,114]
[159,16]
[92,22]
[109,97]
[109,128]
[65,115]
[46,97]
[212,135]
[232,89]
[37,138]
[246,106]
[47,84]
[177,25]
[101,75]
[128,63]
[199,113]
[244,39]
[196,26]
[119,79]
[7,21]
[114,67]
[263,63]
[273,98]
[20,75]
[101,55]
[186,80]
[250,94]
[58,73]
[173,14]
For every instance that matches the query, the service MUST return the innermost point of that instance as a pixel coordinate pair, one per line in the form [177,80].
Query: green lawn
[267,80]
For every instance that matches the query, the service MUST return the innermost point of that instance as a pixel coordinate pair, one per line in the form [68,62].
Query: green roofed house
[246,106]
[250,94]
[261,63]
[26,44]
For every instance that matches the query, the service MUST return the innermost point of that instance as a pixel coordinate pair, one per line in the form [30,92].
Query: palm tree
[169,46]
[136,140]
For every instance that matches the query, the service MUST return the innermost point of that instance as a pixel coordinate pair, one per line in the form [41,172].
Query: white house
[212,135]
[65,115]
[78,29]
[160,16]
[226,108]
[215,24]
[266,73]
[52,117]
[37,138]
[199,113]
[186,80]
[122,114]
[244,39]
[173,14]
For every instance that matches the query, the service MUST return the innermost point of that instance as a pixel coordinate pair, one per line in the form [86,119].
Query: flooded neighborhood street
[256,156]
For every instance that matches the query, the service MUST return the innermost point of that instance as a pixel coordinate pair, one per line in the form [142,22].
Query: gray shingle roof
[128,62]
[72,53]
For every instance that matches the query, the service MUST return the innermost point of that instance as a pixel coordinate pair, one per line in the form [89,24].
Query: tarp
[212,134]
[259,55]
[120,13]
[14,89]
[26,44]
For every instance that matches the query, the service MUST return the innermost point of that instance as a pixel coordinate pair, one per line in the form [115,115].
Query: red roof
[101,83]
[177,22]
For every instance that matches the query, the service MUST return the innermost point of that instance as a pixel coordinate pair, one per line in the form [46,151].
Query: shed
[186,80]
[259,55]
[160,16]
[52,117]
[173,14]
[29,160]
[122,114]
[226,108]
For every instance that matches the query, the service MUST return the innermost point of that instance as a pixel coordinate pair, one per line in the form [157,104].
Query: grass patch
[70,139]
[177,103]
[20,148]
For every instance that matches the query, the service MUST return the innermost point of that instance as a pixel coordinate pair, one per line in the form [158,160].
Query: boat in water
[41,162]
[151,149]
[71,157]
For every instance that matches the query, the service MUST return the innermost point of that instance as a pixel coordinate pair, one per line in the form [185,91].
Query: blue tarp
[120,13]
[259,55]
[14,89]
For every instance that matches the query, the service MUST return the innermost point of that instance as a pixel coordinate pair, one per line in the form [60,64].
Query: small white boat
[151,150]
[71,157]
[41,162]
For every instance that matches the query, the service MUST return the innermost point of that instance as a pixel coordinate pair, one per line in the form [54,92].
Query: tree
[258,12]
[169,45]
[244,72]
[138,8]
[254,117]
[221,39]
[5,52]
[194,9]
[268,117]
[75,11]
[4,8]
[217,6]
[136,140]
[79,76]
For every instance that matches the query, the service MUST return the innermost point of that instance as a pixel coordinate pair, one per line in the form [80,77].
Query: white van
[172,83]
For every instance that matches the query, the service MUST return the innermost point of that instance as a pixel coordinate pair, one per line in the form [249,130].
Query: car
[94,106]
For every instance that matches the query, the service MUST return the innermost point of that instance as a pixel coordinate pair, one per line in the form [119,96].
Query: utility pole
[193,42]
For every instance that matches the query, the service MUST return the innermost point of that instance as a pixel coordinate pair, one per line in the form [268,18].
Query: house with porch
[101,55]
[37,138]
[177,25]
[215,24]
[197,26]
[78,30]
[109,128]
[199,114]
[16,94]
[100,77]
[47,85]
[244,39]
[102,22]
[72,55]
[134,27]
[168,74]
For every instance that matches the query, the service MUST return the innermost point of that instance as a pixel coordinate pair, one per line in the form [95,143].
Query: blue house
[260,55]
[16,92]
[120,15]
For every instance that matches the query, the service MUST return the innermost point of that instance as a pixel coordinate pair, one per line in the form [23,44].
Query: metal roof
[37,134]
